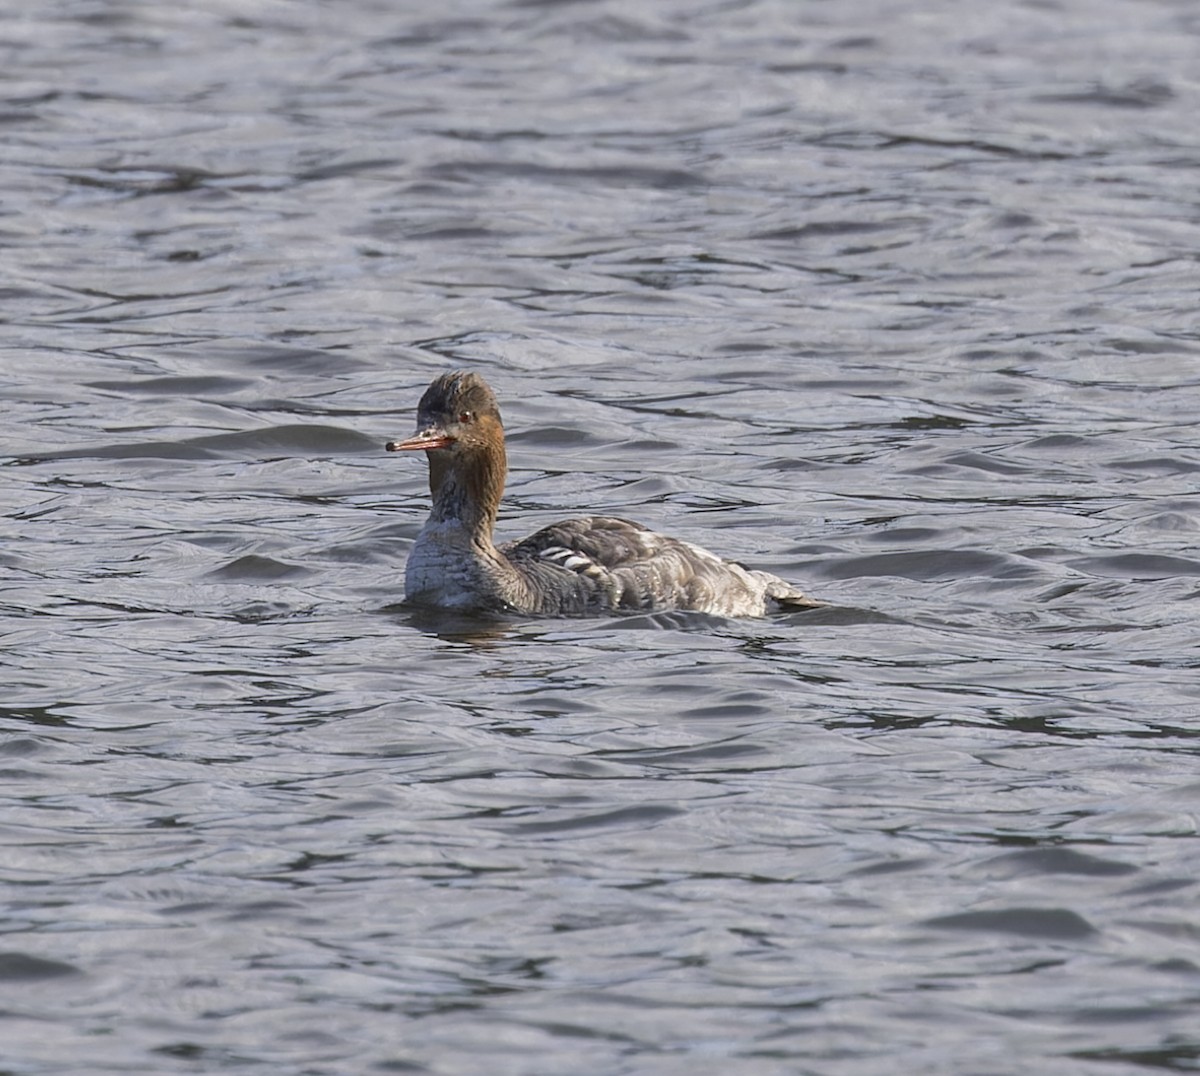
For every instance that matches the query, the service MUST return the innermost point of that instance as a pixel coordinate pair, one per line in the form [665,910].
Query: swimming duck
[589,565]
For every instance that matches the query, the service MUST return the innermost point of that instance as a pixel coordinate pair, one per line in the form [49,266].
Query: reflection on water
[893,303]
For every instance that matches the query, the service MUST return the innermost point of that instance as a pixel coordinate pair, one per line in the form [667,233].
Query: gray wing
[600,562]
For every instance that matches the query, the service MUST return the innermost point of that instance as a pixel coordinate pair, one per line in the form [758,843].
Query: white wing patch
[572,560]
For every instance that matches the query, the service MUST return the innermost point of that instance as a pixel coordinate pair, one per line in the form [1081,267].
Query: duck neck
[467,491]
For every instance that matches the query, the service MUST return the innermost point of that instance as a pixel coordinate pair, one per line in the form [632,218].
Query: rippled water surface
[897,300]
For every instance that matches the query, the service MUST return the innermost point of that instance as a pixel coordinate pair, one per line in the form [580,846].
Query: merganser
[595,564]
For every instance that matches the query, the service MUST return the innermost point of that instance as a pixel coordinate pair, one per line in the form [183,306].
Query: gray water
[895,299]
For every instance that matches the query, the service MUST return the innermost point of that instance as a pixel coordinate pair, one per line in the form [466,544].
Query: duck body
[589,565]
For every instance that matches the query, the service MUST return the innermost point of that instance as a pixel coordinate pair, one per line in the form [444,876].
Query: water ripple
[894,303]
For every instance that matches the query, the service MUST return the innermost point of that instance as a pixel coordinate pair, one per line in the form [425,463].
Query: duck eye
[465,417]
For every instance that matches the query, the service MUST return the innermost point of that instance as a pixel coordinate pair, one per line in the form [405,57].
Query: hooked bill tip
[426,440]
